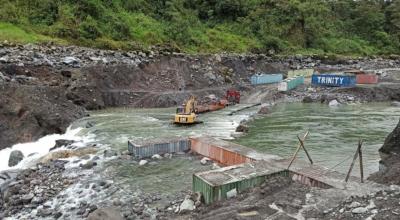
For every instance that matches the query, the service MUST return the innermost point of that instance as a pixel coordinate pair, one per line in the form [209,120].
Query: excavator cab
[180,110]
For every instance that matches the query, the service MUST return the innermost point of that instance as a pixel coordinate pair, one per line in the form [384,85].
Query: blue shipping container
[265,78]
[334,80]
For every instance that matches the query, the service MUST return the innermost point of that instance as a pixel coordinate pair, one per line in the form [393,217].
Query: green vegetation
[345,27]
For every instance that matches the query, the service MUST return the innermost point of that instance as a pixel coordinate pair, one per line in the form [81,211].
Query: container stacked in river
[258,78]
[333,80]
[147,148]
[290,83]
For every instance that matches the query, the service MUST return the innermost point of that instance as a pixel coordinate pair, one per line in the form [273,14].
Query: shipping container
[226,153]
[143,149]
[215,185]
[258,79]
[367,79]
[290,83]
[334,80]
[302,72]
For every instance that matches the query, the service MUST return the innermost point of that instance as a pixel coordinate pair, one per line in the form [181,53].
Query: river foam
[38,149]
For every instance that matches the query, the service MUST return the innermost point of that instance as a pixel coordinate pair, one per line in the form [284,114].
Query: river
[334,133]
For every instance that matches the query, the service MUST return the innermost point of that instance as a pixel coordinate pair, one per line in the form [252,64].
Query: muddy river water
[334,131]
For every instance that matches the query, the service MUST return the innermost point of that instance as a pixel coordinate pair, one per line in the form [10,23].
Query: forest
[347,27]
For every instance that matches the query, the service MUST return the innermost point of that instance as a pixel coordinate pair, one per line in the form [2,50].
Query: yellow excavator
[186,114]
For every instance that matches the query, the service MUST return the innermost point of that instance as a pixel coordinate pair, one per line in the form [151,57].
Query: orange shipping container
[226,153]
[218,154]
[366,79]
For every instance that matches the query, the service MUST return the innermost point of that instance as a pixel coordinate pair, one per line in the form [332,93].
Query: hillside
[202,26]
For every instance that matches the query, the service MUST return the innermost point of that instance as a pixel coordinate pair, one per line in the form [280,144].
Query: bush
[88,29]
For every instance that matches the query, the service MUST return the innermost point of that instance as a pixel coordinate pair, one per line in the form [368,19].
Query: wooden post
[304,148]
[360,142]
[352,163]
[297,150]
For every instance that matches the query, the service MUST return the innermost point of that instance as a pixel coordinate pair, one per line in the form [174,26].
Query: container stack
[333,80]
[290,83]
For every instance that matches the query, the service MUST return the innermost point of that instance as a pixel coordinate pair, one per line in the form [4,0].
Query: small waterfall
[39,148]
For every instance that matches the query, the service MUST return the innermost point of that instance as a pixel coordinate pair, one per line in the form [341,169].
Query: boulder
[105,214]
[359,210]
[27,198]
[242,128]
[264,110]
[205,160]
[66,73]
[142,162]
[70,60]
[187,205]
[395,104]
[334,103]
[89,165]
[62,143]
[307,99]
[110,153]
[156,156]
[231,193]
[15,157]
[354,204]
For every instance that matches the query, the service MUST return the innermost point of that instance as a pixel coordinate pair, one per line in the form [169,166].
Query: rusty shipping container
[366,79]
[226,153]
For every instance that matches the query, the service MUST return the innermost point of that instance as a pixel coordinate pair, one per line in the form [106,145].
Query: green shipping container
[290,83]
[214,185]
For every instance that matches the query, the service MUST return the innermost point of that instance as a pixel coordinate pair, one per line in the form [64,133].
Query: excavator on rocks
[186,114]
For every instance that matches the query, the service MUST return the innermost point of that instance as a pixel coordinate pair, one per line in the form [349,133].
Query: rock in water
[156,156]
[307,99]
[110,153]
[89,165]
[204,161]
[242,128]
[62,143]
[395,104]
[105,214]
[142,162]
[264,110]
[15,157]
[334,103]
